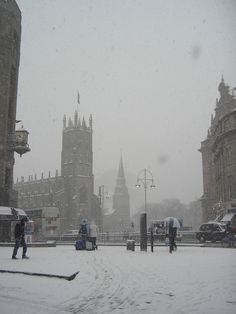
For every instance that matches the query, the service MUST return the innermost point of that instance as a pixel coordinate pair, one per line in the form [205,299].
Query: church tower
[77,168]
[121,205]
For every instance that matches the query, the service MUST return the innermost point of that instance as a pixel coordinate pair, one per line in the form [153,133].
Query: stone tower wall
[10,37]
[77,168]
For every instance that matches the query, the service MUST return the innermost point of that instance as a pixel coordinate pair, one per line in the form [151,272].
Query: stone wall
[10,37]
[219,157]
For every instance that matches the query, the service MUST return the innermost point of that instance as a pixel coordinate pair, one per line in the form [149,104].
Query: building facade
[10,38]
[219,157]
[119,219]
[73,190]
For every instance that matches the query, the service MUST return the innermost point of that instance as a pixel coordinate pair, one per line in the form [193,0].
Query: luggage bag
[79,245]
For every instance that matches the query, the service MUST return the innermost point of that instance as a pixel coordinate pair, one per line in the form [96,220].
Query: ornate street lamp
[21,141]
[145,180]
[144,177]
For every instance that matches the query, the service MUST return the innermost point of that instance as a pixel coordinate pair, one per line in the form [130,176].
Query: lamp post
[144,178]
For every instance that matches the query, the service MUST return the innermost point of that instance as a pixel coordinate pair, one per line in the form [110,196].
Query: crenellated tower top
[69,124]
[77,122]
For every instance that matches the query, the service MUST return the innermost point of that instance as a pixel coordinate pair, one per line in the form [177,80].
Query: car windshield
[212,227]
[223,227]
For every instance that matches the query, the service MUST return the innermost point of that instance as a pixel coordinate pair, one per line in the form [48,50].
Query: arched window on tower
[83,194]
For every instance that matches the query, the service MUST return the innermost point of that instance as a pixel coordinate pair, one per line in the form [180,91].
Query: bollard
[130,245]
[152,239]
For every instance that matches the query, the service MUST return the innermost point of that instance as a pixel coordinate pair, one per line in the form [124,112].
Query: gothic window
[230,187]
[220,128]
[15,46]
[83,194]
[229,154]
[7,177]
[225,125]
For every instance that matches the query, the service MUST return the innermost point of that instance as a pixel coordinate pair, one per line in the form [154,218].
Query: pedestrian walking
[172,235]
[172,224]
[20,238]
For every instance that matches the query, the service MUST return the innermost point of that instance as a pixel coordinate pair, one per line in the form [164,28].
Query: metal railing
[109,237]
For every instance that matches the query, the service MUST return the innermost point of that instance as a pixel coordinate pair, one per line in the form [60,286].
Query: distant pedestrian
[93,234]
[84,231]
[172,235]
[20,238]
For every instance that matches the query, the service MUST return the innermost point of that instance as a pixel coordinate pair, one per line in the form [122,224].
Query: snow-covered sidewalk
[114,280]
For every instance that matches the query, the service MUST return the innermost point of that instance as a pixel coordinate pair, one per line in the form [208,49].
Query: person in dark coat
[172,235]
[20,238]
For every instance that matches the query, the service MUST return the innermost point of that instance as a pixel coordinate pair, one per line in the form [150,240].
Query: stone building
[10,38]
[219,157]
[72,191]
[119,219]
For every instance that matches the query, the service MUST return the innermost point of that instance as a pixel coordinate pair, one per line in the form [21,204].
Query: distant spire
[70,123]
[83,123]
[121,200]
[91,121]
[76,118]
[64,121]
[78,98]
[121,187]
[121,173]
[221,86]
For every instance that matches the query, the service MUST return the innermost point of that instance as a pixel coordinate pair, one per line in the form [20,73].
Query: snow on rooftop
[8,211]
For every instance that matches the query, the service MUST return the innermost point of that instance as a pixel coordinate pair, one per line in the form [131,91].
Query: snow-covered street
[114,280]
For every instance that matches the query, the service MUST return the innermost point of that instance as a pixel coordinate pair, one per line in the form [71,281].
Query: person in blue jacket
[84,231]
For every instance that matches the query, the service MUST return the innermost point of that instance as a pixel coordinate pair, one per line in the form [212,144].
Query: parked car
[211,231]
[70,235]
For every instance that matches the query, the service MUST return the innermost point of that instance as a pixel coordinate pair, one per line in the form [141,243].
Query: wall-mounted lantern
[21,146]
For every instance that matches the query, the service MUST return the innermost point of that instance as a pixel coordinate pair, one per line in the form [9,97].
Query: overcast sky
[148,71]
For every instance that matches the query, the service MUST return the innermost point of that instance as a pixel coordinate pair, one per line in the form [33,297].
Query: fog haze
[147,71]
